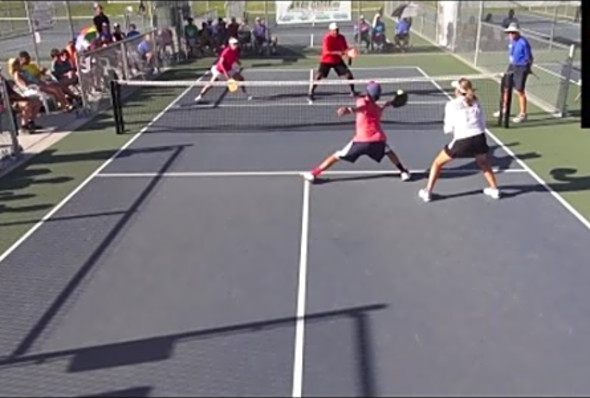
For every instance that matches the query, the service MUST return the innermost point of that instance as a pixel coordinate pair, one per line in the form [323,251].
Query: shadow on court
[162,348]
[567,181]
[137,392]
[31,174]
[70,287]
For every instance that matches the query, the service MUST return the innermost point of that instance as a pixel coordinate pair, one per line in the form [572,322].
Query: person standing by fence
[521,61]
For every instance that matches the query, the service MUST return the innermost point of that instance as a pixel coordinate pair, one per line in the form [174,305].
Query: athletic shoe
[492,193]
[519,119]
[405,176]
[309,176]
[310,99]
[198,98]
[424,195]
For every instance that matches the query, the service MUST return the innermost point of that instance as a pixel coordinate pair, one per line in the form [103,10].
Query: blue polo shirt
[519,51]
[402,27]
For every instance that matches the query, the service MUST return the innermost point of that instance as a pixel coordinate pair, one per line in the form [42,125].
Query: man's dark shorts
[519,76]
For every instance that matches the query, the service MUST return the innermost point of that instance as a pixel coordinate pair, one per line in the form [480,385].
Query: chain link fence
[478,39]
[9,146]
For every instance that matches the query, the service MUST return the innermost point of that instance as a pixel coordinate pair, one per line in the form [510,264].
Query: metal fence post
[553,23]
[478,35]
[16,149]
[70,21]
[32,30]
[564,87]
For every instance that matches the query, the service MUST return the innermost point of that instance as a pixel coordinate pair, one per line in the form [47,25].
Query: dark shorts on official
[340,68]
[353,150]
[468,147]
[519,76]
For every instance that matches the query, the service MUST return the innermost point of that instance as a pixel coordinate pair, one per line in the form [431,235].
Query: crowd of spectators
[373,35]
[210,38]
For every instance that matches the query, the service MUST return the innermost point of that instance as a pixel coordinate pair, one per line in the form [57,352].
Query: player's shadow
[564,181]
[499,159]
[567,181]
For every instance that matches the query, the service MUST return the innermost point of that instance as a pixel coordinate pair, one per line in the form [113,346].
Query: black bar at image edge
[585,97]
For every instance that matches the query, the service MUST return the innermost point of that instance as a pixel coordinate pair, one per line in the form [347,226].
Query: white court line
[270,102]
[522,164]
[301,296]
[370,68]
[95,173]
[289,173]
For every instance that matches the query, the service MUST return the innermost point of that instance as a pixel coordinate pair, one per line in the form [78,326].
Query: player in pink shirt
[369,139]
[228,66]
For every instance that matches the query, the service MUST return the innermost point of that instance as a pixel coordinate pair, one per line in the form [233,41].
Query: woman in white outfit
[465,119]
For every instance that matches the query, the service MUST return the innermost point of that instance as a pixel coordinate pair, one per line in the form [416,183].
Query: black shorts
[340,68]
[353,150]
[467,147]
[519,76]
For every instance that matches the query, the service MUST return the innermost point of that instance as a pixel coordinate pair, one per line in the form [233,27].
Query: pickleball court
[197,261]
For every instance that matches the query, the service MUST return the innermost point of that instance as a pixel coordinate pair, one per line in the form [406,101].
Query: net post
[508,88]
[116,104]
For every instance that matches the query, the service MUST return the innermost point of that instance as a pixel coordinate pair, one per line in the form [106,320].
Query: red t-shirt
[229,58]
[331,43]
[368,121]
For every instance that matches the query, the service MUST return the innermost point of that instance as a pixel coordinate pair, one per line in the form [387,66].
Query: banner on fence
[296,12]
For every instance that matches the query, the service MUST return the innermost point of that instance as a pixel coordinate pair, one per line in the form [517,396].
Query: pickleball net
[169,106]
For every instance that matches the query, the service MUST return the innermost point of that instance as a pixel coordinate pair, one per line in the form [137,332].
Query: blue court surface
[201,263]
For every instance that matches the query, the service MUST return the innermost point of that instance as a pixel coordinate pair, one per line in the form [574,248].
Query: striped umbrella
[85,38]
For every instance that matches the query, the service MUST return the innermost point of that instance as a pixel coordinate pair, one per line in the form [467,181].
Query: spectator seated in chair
[118,34]
[204,39]
[402,34]
[30,86]
[362,32]
[191,36]
[244,36]
[27,108]
[260,33]
[61,68]
[133,32]
[379,37]
[146,52]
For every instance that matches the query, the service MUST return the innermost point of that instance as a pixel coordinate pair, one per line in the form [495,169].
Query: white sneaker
[309,177]
[250,97]
[198,98]
[492,193]
[405,176]
[519,119]
[424,195]
[497,113]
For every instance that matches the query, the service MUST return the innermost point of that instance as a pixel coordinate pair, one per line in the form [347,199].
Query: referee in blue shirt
[521,61]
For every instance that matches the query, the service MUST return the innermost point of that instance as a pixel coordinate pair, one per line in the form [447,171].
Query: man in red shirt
[334,46]
[369,139]
[228,66]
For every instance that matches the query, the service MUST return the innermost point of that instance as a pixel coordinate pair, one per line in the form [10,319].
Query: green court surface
[555,149]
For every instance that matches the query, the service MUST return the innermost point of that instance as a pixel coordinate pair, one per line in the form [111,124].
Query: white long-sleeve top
[462,120]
